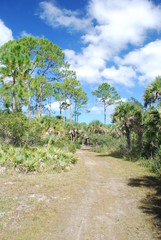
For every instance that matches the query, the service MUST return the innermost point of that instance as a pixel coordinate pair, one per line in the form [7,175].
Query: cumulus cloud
[55,106]
[110,109]
[146,61]
[5,33]
[87,64]
[110,26]
[55,17]
[96,110]
[24,33]
[123,75]
[122,22]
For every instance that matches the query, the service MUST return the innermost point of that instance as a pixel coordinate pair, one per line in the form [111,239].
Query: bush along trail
[103,197]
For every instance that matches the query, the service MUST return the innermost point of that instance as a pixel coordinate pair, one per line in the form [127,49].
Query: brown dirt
[101,198]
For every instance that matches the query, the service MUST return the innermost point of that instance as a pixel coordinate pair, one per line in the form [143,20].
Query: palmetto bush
[38,159]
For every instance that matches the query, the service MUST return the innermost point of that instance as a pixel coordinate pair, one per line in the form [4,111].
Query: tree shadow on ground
[151,204]
[86,148]
[111,154]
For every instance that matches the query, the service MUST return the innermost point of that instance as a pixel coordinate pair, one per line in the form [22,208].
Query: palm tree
[124,117]
[152,132]
[95,127]
[153,93]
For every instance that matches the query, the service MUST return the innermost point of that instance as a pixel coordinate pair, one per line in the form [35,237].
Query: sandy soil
[101,198]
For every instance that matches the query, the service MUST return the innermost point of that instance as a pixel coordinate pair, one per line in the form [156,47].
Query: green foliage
[19,59]
[153,93]
[104,143]
[142,131]
[16,129]
[65,144]
[107,95]
[128,116]
[152,133]
[39,159]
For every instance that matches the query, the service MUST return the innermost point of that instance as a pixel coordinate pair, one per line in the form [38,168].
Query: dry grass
[30,205]
[100,198]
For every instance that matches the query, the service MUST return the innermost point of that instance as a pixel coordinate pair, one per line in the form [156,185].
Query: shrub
[102,142]
[35,159]
[16,129]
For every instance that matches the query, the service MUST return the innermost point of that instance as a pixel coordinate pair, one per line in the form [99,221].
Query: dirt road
[103,197]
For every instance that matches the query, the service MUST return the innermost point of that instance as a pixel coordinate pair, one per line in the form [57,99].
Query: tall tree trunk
[140,137]
[128,137]
[65,114]
[13,97]
[29,104]
[41,95]
[40,100]
[75,111]
[60,107]
[70,109]
[105,113]
[20,105]
[65,109]
[77,114]
[37,106]
[50,106]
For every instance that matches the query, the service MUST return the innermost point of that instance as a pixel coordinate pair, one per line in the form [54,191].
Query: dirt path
[101,198]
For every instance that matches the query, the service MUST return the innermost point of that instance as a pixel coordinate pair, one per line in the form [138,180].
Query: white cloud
[24,33]
[87,66]
[123,100]
[5,33]
[110,26]
[122,22]
[123,75]
[96,110]
[100,109]
[146,61]
[55,17]
[55,106]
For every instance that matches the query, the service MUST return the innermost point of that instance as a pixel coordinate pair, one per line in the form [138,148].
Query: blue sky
[104,40]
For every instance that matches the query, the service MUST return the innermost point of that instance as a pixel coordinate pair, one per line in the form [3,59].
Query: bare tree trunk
[65,114]
[105,113]
[40,101]
[29,104]
[128,137]
[37,106]
[20,105]
[41,95]
[75,111]
[70,109]
[77,114]
[60,107]
[13,98]
[140,137]
[50,106]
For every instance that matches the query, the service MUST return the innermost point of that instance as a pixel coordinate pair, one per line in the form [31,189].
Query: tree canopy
[107,95]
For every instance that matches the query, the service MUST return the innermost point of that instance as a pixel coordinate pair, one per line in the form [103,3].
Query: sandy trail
[107,208]
[101,198]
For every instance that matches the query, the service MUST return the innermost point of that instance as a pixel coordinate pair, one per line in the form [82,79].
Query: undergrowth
[37,159]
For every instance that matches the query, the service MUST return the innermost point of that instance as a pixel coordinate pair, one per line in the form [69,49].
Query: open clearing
[103,197]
